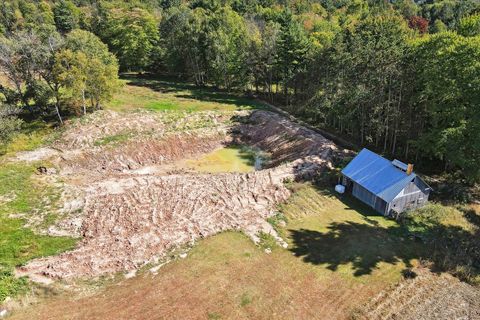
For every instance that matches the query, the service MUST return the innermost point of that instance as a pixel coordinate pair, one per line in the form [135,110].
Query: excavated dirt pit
[138,185]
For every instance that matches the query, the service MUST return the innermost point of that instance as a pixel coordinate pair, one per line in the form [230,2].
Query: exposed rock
[37,155]
[130,274]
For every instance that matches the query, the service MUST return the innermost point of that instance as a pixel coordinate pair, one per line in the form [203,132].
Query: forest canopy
[399,76]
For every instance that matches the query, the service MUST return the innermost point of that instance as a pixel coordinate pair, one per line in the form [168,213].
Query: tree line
[400,76]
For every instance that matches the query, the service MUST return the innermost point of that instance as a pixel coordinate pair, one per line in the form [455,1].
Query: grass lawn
[227,159]
[159,94]
[31,136]
[21,194]
[343,236]
[340,255]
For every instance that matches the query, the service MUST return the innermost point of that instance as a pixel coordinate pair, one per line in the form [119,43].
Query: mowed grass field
[338,258]
[160,94]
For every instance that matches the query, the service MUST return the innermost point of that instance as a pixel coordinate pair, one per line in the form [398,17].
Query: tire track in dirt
[129,220]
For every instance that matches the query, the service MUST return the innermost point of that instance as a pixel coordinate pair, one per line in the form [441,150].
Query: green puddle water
[228,159]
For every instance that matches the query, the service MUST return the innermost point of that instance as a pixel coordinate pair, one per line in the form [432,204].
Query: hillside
[162,232]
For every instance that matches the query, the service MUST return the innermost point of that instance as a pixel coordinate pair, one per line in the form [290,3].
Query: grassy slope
[164,94]
[22,194]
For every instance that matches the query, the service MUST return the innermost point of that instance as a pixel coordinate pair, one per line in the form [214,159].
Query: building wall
[369,198]
[363,194]
[414,195]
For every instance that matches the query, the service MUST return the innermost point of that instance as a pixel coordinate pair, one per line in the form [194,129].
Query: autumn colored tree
[418,23]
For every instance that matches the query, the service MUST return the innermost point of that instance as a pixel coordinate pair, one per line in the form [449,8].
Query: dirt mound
[93,129]
[283,139]
[128,219]
[428,296]
[136,154]
[133,221]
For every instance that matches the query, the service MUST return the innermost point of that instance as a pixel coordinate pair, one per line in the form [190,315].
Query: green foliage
[209,46]
[87,69]
[132,35]
[449,94]
[470,26]
[66,16]
[267,241]
[9,123]
[438,26]
[448,11]
[10,285]
[227,49]
[292,50]
[350,66]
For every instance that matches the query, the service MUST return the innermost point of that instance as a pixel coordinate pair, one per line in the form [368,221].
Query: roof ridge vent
[400,165]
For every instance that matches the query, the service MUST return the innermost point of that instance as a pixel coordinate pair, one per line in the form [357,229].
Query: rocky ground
[130,212]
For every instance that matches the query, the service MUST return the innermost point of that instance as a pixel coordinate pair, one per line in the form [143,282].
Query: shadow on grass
[190,91]
[365,245]
[362,245]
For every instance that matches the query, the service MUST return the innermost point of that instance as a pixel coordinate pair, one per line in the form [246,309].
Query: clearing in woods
[172,195]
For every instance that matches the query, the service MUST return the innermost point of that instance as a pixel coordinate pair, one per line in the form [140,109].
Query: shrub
[9,123]
[267,241]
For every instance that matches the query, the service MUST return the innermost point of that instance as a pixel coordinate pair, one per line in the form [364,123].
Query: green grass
[161,94]
[341,234]
[228,159]
[245,299]
[21,195]
[345,237]
[161,105]
[31,136]
[267,241]
[113,139]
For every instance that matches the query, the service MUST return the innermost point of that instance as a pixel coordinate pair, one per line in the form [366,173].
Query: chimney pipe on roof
[410,169]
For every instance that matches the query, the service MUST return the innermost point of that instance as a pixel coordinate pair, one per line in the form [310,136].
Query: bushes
[451,236]
[9,123]
[11,286]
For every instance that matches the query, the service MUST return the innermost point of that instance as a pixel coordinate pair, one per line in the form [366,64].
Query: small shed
[387,186]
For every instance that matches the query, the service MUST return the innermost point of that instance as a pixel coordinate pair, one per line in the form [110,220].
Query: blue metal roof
[377,174]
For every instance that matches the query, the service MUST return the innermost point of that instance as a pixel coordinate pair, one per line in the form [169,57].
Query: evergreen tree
[292,53]
[66,16]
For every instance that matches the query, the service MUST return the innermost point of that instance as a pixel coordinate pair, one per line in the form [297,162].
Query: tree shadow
[362,245]
[365,245]
[185,90]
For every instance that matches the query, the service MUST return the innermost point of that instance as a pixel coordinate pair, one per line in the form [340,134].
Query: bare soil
[129,214]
